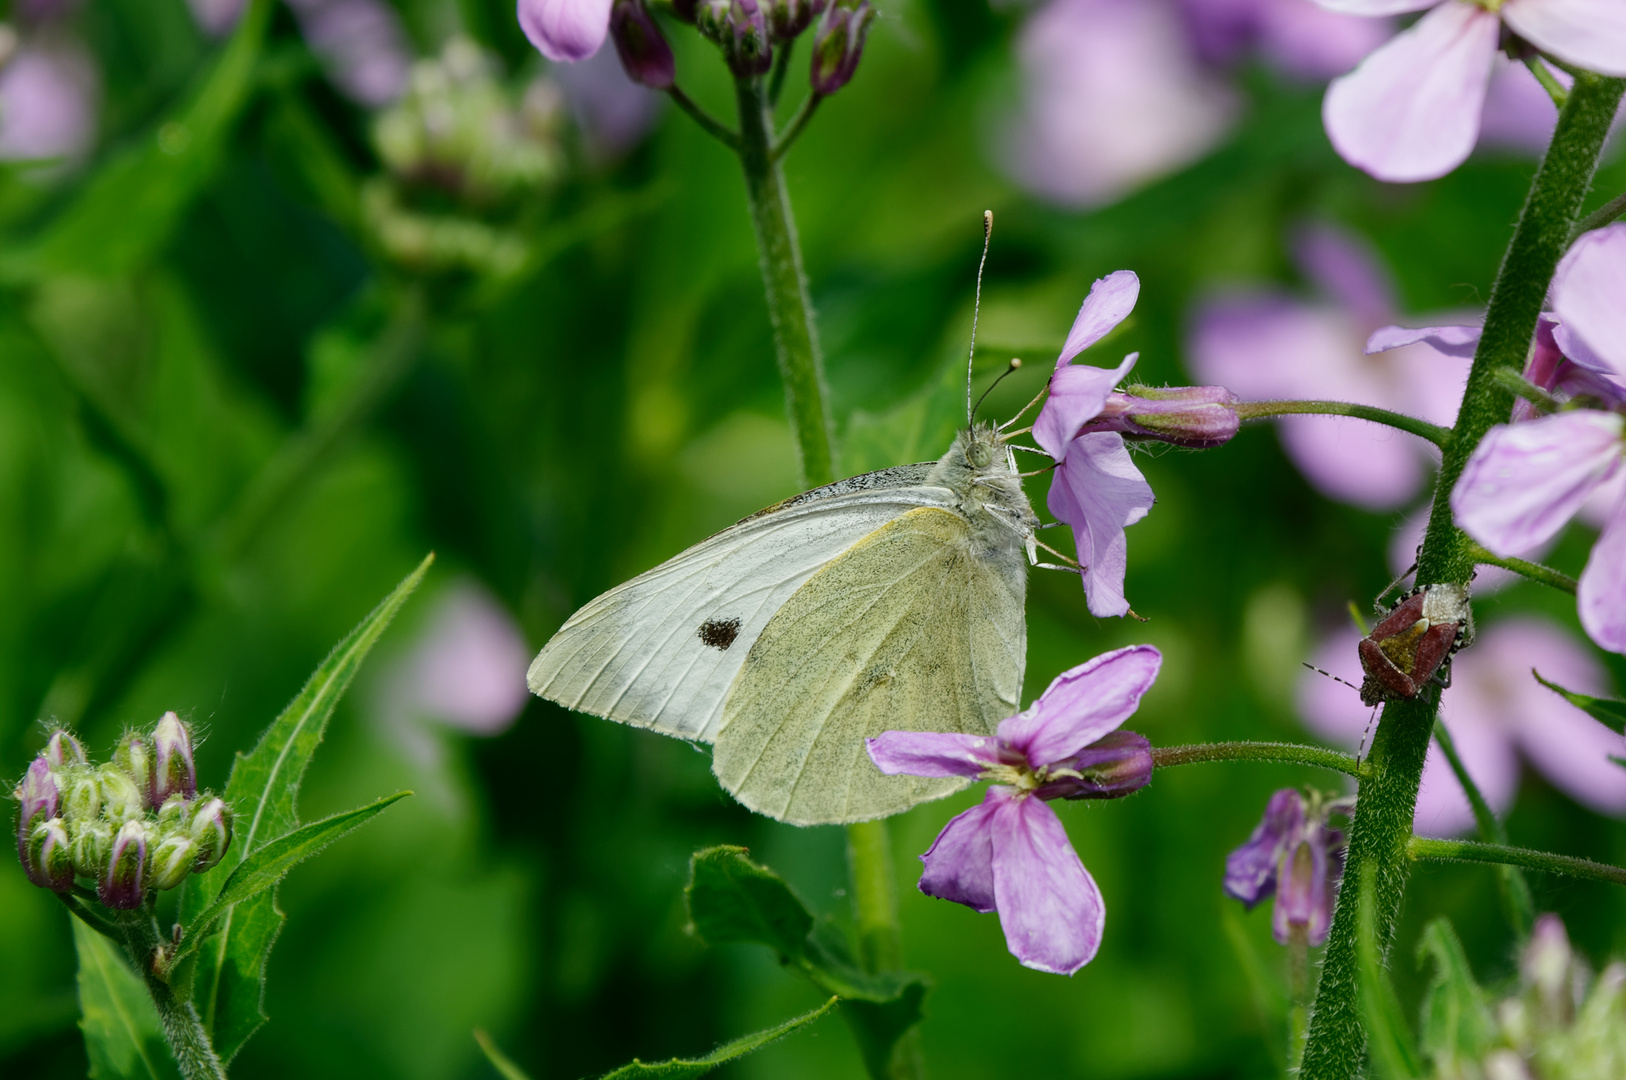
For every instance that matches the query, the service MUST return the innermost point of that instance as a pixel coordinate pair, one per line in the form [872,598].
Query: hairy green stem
[1534,571]
[1280,752]
[1515,891]
[789,307]
[713,127]
[1253,410]
[1425,847]
[1602,216]
[183,1030]
[1380,834]
[798,124]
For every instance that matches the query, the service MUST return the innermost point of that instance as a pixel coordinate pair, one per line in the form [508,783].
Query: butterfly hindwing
[913,628]
[661,650]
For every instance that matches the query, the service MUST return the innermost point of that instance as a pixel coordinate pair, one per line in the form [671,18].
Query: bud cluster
[747,31]
[133,825]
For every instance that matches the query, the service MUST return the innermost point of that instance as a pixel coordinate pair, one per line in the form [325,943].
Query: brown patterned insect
[1412,645]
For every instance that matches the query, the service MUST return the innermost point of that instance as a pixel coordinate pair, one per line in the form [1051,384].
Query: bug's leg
[1377,605]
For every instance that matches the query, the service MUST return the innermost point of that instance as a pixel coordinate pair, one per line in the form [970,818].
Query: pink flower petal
[1375,7]
[565,30]
[1049,906]
[1601,598]
[1450,340]
[1411,110]
[1524,481]
[1354,461]
[921,753]
[1100,493]
[959,866]
[1347,270]
[1589,292]
[1077,395]
[1083,704]
[1587,33]
[1109,303]
[1487,753]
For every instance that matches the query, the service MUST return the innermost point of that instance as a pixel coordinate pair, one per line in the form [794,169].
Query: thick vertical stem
[789,308]
[1382,826]
[875,895]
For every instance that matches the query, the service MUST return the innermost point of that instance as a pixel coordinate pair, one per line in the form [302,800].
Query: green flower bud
[47,861]
[92,840]
[81,795]
[173,771]
[122,800]
[172,860]
[124,885]
[211,831]
[134,758]
[62,749]
[175,815]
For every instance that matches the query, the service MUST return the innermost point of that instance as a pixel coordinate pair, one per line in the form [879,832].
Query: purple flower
[1589,300]
[1195,417]
[1411,110]
[1097,491]
[466,668]
[1266,345]
[839,44]
[643,49]
[47,102]
[1496,714]
[1010,853]
[39,795]
[1295,37]
[565,30]
[1296,857]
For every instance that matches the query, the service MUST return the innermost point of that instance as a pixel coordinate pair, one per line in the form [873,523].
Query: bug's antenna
[1014,364]
[976,309]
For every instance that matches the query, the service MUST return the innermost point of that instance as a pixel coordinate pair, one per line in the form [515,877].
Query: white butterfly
[891,601]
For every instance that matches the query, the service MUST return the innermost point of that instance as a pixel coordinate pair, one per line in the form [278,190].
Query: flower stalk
[1282,753]
[1381,843]
[1254,410]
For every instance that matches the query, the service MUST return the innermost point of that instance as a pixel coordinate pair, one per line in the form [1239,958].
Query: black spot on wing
[719,633]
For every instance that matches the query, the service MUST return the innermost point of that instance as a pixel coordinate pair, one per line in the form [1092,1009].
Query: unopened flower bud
[39,795]
[172,860]
[175,815]
[62,750]
[124,884]
[1113,766]
[788,18]
[1545,963]
[173,771]
[134,759]
[81,795]
[92,840]
[1196,417]
[47,859]
[740,28]
[839,44]
[122,800]
[641,45]
[211,831]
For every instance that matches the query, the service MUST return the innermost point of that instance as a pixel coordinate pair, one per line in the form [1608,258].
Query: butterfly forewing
[913,628]
[661,650]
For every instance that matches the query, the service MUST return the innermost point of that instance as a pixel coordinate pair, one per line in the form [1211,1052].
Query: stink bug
[1411,644]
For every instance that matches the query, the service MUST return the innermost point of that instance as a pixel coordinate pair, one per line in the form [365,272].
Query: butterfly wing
[661,650]
[910,629]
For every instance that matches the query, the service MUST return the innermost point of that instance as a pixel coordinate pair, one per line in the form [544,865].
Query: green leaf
[920,429]
[266,866]
[678,1069]
[229,978]
[123,1037]
[127,210]
[500,1061]
[1388,1039]
[879,1027]
[732,899]
[1457,1025]
[1606,711]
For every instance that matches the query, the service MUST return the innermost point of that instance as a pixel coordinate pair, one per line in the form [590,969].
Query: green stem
[1515,891]
[1380,834]
[1544,76]
[1521,387]
[798,123]
[789,307]
[1534,571]
[1284,753]
[183,1030]
[1602,216]
[711,125]
[1423,847]
[875,895]
[1253,410]
[781,68]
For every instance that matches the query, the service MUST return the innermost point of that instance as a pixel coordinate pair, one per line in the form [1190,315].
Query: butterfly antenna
[976,309]
[1014,364]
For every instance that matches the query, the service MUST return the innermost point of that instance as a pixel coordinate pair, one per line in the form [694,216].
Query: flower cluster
[1010,853]
[131,826]
[1295,856]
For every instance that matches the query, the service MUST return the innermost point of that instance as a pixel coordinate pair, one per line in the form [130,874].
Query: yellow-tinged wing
[910,629]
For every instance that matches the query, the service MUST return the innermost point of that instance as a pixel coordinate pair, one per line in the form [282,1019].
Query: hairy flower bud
[1115,765]
[124,884]
[740,28]
[211,831]
[91,842]
[175,815]
[134,759]
[38,794]
[173,771]
[62,750]
[1196,417]
[122,800]
[47,859]
[172,859]
[641,45]
[788,18]
[839,44]
[81,795]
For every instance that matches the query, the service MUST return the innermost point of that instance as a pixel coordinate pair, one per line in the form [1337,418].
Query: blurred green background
[231,418]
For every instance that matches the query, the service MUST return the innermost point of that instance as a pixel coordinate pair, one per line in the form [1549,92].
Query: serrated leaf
[127,210]
[678,1069]
[1457,1025]
[1606,711]
[267,864]
[229,979]
[1389,1043]
[732,899]
[123,1037]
